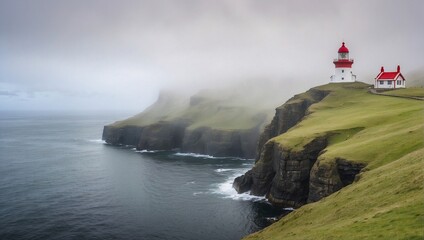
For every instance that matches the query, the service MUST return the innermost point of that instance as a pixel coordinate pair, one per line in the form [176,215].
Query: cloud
[8,93]
[123,52]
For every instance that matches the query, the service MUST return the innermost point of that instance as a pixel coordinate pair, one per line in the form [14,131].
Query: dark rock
[162,136]
[290,187]
[348,170]
[292,178]
[281,174]
[329,178]
[236,143]
[168,135]
[288,115]
[324,181]
[128,135]
[263,172]
[243,183]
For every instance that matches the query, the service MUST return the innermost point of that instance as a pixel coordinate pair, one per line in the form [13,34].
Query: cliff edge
[320,140]
[366,149]
[218,123]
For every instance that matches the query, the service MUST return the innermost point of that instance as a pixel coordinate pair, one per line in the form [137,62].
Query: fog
[118,55]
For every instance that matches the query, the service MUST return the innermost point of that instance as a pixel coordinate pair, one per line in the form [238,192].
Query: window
[381,82]
[399,82]
[342,71]
[342,78]
[389,82]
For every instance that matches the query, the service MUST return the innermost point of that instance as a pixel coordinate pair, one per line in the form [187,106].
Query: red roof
[389,75]
[343,49]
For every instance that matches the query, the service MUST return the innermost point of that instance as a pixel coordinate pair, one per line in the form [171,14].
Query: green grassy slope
[386,133]
[407,92]
[386,203]
[217,109]
[365,128]
[166,108]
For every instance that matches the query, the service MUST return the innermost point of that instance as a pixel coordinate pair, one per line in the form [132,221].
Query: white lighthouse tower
[343,65]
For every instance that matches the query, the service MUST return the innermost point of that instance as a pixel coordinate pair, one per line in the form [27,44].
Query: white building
[390,79]
[343,63]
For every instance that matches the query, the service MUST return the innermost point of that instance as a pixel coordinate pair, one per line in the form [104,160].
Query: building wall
[394,84]
[343,75]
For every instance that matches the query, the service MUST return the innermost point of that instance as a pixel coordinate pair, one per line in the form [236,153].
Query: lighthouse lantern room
[343,63]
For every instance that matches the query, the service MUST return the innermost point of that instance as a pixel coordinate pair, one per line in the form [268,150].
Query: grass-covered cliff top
[362,127]
[387,134]
[202,111]
[240,107]
[387,203]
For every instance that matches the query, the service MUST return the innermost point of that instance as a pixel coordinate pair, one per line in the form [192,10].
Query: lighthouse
[343,64]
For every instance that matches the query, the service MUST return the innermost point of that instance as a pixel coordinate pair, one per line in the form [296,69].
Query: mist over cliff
[96,54]
[220,121]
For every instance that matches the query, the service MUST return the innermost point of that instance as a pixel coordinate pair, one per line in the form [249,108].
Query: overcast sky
[87,55]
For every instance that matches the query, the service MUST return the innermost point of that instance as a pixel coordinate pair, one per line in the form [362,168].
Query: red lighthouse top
[343,49]
[343,60]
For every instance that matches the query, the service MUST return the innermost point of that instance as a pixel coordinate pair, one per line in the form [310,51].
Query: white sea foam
[194,155]
[227,191]
[219,170]
[97,141]
[198,193]
[197,155]
[146,151]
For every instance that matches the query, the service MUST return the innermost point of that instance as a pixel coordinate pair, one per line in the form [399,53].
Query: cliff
[311,148]
[218,123]
[340,139]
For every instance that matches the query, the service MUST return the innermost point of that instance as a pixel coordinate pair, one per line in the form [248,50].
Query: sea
[59,180]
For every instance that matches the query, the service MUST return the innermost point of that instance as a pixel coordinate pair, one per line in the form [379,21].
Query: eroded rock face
[239,143]
[290,187]
[324,181]
[329,178]
[292,178]
[175,135]
[162,136]
[288,115]
[348,170]
[128,135]
[281,174]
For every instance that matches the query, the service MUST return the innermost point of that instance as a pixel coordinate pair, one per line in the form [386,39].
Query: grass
[382,128]
[222,112]
[386,133]
[407,92]
[387,203]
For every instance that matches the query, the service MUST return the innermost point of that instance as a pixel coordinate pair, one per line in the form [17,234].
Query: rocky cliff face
[176,135]
[289,114]
[204,125]
[127,135]
[216,142]
[288,177]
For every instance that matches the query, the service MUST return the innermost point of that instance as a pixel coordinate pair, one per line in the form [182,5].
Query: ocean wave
[97,141]
[198,193]
[146,151]
[227,191]
[219,170]
[197,155]
[194,155]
